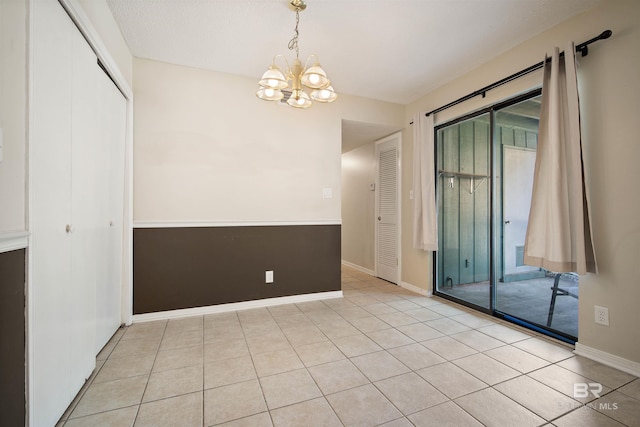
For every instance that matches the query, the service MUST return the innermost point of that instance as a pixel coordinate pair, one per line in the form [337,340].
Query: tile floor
[379,356]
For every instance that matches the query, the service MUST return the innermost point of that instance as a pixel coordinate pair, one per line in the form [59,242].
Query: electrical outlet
[602,315]
[268,276]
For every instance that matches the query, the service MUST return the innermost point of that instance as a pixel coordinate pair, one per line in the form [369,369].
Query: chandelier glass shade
[296,79]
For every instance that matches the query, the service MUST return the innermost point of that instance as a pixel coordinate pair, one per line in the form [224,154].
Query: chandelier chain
[293,43]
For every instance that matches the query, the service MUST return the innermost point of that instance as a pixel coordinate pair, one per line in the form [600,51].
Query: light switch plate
[327,193]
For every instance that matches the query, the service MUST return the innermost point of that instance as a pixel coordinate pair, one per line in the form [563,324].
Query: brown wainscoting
[176,268]
[12,337]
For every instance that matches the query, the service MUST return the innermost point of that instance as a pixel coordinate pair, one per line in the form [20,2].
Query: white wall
[206,149]
[13,114]
[358,206]
[610,101]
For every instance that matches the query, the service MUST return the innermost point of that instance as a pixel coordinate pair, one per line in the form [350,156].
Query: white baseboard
[625,365]
[416,289]
[224,308]
[359,268]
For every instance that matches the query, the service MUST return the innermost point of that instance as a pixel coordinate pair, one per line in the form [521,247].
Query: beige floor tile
[304,335]
[338,329]
[397,318]
[117,418]
[310,306]
[447,326]
[400,422]
[410,393]
[261,314]
[477,340]
[448,309]
[262,419]
[380,365]
[337,376]
[293,321]
[404,305]
[416,356]
[178,358]
[233,402]
[276,362]
[185,324]
[183,411]
[268,342]
[379,309]
[474,320]
[316,412]
[228,371]
[125,367]
[353,313]
[187,338]
[369,324]
[173,383]
[223,333]
[486,369]
[136,347]
[620,407]
[420,332]
[145,330]
[363,406]
[423,314]
[319,353]
[448,348]
[563,380]
[598,372]
[544,349]
[504,333]
[260,328]
[632,389]
[537,397]
[289,388]
[361,299]
[356,345]
[517,359]
[451,380]
[492,408]
[390,338]
[586,417]
[446,414]
[284,310]
[110,395]
[221,350]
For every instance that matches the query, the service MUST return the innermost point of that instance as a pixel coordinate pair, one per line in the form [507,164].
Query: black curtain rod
[582,48]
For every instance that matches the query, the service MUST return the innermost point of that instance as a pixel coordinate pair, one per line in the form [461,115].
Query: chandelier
[274,83]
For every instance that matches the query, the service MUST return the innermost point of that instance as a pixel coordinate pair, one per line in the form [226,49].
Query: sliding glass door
[485,165]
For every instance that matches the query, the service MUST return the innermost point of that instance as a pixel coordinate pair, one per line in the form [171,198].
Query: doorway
[388,208]
[485,163]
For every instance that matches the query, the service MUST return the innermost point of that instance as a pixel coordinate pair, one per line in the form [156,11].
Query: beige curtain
[558,235]
[425,233]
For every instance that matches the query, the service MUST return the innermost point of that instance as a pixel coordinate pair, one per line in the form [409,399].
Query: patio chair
[557,291]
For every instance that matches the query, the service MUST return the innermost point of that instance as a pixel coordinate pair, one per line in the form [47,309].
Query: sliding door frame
[494,240]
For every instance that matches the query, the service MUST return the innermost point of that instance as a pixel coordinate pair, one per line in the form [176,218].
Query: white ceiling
[390,50]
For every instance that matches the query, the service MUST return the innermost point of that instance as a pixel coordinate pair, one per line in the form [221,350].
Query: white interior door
[518,165]
[387,208]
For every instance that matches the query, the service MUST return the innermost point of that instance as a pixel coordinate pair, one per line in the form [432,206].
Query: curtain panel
[558,236]
[425,232]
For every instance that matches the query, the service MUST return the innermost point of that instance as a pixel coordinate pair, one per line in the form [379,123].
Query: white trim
[625,365]
[248,223]
[416,289]
[13,241]
[359,268]
[224,308]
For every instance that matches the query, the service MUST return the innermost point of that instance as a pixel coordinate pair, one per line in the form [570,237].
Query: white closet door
[49,211]
[387,209]
[112,140]
[84,209]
